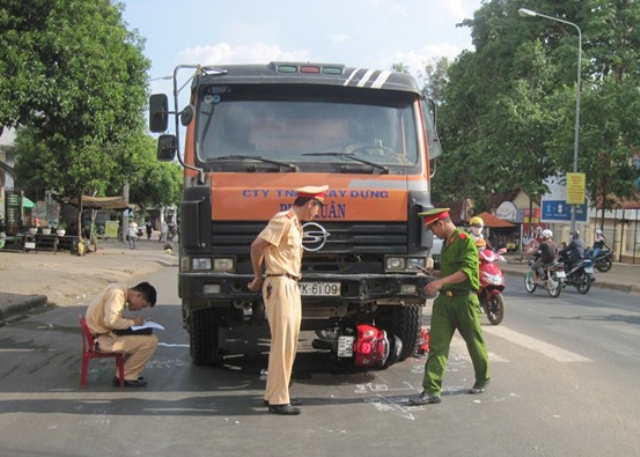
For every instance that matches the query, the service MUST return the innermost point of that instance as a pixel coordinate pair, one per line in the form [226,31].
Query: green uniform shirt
[459,253]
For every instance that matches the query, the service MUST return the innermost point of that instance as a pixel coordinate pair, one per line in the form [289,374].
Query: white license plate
[345,346]
[29,245]
[588,270]
[561,274]
[323,289]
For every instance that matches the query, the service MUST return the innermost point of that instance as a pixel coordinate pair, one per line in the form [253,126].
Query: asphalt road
[565,383]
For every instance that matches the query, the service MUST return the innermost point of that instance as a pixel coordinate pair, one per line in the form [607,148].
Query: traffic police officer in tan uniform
[105,317]
[456,307]
[279,248]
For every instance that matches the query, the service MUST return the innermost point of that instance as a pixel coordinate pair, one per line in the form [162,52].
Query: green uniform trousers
[449,314]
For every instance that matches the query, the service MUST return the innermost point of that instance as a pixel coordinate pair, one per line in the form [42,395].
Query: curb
[21,306]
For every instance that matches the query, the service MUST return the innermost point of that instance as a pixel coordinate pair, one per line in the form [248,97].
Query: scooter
[553,275]
[604,261]
[492,284]
[579,274]
[362,345]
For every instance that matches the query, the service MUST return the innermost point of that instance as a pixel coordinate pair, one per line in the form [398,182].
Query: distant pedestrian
[171,226]
[132,234]
[164,232]
[149,228]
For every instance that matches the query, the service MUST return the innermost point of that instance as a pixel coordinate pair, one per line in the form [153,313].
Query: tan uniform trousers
[138,350]
[284,313]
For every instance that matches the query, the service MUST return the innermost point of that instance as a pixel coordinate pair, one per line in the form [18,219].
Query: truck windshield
[294,126]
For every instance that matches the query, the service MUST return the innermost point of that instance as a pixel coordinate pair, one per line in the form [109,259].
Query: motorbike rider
[575,251]
[546,254]
[477,224]
[599,243]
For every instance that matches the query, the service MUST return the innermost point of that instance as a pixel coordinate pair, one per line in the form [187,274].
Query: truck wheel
[403,322]
[203,336]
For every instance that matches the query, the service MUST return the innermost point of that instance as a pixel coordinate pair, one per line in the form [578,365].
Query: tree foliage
[508,108]
[76,78]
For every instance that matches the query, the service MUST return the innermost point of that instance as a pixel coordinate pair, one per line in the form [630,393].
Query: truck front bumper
[325,288]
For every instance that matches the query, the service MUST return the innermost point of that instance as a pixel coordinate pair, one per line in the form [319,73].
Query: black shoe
[292,402]
[425,398]
[286,410]
[479,387]
[140,382]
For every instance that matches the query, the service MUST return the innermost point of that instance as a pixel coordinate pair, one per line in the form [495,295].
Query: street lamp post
[529,13]
[162,78]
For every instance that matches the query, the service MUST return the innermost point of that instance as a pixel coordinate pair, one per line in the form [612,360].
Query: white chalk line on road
[534,344]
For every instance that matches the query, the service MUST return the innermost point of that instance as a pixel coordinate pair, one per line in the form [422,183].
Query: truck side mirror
[158,113]
[186,116]
[167,148]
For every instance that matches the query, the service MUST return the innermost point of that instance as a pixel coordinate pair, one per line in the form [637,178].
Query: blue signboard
[560,211]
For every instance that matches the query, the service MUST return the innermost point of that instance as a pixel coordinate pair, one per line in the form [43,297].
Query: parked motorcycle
[579,274]
[604,261]
[553,275]
[492,284]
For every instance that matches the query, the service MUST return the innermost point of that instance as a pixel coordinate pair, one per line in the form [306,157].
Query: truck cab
[254,133]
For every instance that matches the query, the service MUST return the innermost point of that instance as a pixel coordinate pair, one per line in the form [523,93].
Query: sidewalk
[34,280]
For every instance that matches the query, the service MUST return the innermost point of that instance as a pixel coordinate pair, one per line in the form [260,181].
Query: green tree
[158,183]
[508,108]
[77,78]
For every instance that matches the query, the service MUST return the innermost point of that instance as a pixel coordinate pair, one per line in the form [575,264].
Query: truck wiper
[349,155]
[290,166]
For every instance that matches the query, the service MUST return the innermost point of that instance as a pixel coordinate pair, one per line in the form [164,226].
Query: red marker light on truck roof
[309,69]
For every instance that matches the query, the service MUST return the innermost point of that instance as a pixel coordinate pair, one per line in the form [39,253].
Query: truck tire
[203,336]
[403,322]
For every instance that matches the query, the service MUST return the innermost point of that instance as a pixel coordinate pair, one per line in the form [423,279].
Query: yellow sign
[576,184]
[111,229]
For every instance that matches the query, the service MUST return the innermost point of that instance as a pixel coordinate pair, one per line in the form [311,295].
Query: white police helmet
[547,233]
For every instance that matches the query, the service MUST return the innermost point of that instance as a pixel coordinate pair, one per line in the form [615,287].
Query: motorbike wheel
[583,283]
[494,308]
[604,265]
[556,286]
[529,283]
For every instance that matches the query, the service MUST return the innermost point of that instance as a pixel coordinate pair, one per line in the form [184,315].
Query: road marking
[527,342]
[173,345]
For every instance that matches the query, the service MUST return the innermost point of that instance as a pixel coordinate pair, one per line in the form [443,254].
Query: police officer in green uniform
[456,307]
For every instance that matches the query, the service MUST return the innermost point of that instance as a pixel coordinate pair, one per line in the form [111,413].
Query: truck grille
[351,247]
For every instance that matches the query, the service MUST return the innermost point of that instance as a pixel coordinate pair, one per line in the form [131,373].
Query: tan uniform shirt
[284,253]
[106,311]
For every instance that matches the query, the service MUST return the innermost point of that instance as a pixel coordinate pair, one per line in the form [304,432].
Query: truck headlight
[395,264]
[200,264]
[415,262]
[223,265]
[404,264]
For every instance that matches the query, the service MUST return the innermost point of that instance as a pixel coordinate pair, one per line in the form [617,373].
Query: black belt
[457,293]
[283,274]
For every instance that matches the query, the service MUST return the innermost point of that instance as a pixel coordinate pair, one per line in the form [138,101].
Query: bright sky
[359,33]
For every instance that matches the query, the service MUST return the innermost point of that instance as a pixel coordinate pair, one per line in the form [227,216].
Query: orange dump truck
[254,133]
